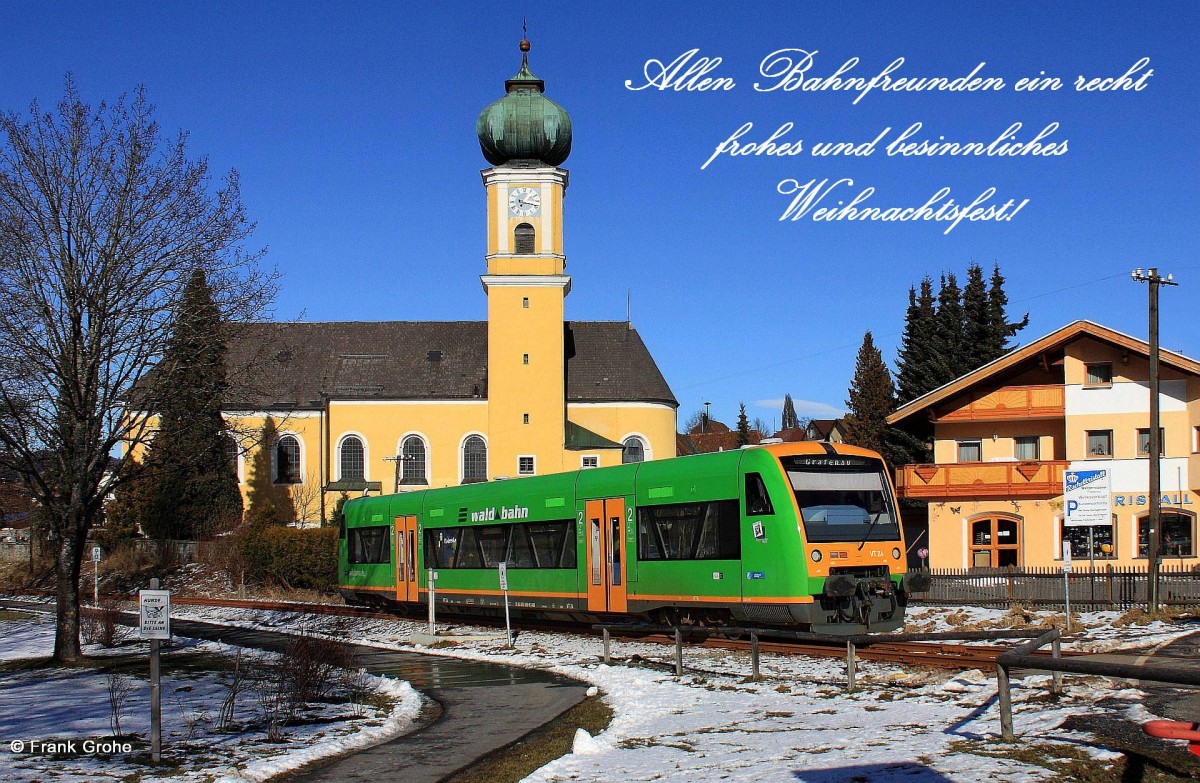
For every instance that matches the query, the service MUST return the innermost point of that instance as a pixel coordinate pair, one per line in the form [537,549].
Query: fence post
[754,657]
[1110,586]
[607,648]
[1002,688]
[850,666]
[1056,677]
[678,652]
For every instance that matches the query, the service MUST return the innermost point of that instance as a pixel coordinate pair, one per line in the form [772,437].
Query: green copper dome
[524,124]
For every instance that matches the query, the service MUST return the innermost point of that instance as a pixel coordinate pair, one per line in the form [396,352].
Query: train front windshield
[843,499]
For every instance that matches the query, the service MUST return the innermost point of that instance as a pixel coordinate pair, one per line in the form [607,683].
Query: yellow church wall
[652,422]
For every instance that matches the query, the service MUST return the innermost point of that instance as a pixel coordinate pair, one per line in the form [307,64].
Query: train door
[605,526]
[406,558]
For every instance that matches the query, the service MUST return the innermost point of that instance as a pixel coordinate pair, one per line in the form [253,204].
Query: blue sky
[352,125]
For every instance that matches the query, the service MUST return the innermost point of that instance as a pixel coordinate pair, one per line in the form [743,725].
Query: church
[398,405]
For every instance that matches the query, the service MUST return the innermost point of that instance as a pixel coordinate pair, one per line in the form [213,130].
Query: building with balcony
[1004,435]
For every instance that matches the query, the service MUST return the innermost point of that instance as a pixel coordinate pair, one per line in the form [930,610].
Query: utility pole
[1153,554]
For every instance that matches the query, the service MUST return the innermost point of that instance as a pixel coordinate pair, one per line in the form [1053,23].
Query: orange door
[605,525]
[406,558]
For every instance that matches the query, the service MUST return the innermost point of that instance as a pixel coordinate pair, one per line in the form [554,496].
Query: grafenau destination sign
[1087,499]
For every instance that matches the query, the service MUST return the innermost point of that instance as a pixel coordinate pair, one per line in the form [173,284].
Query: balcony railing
[965,480]
[1008,403]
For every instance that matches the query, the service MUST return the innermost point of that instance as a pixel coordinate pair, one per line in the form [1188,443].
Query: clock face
[524,202]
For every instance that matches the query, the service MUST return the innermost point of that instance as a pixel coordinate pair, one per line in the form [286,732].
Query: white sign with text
[1087,496]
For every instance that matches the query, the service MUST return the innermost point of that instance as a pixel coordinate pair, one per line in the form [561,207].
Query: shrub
[292,557]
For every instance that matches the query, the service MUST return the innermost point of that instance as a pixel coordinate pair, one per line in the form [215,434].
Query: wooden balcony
[984,480]
[1009,403]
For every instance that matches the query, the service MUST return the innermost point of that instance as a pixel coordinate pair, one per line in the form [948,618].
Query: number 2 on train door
[606,555]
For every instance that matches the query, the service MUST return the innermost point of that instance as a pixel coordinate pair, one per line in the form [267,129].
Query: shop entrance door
[605,525]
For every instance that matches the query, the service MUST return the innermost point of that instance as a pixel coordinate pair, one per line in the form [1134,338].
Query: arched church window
[412,461]
[287,460]
[634,451]
[351,458]
[474,457]
[523,239]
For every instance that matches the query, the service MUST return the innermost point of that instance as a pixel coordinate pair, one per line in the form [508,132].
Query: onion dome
[524,125]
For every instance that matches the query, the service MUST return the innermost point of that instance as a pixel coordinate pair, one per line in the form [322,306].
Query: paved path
[481,707]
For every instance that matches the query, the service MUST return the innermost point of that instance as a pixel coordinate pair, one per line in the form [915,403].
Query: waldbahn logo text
[506,512]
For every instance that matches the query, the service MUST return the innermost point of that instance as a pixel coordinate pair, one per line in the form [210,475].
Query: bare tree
[102,221]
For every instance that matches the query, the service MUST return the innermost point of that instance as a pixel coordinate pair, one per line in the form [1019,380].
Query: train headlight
[816,555]
[896,553]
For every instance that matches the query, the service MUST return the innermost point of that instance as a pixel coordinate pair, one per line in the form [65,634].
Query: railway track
[936,654]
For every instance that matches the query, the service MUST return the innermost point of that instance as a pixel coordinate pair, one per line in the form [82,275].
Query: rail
[852,642]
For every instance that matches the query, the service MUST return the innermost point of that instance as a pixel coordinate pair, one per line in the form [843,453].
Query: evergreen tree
[743,426]
[871,398]
[270,504]
[190,488]
[915,374]
[999,327]
[790,420]
[949,361]
[977,349]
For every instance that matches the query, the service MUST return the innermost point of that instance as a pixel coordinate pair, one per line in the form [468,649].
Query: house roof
[606,361]
[825,427]
[1051,341]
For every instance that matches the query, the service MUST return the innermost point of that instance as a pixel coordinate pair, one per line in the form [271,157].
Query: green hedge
[293,557]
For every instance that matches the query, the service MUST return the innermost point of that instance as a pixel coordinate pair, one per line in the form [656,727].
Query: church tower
[526,137]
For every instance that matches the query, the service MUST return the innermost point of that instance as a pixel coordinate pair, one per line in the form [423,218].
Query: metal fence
[1106,587]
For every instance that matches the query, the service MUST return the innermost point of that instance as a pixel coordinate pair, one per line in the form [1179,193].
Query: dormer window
[523,239]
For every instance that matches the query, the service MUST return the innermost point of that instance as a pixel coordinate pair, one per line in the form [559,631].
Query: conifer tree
[743,426]
[915,374]
[999,327]
[269,503]
[871,398]
[190,488]
[978,333]
[789,420]
[949,361]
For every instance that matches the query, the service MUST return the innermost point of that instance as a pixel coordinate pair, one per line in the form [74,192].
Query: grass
[9,614]
[1070,764]
[538,748]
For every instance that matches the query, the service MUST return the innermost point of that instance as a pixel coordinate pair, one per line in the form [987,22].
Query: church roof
[296,365]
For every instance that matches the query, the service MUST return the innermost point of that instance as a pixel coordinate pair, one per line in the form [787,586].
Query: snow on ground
[917,726]
[37,702]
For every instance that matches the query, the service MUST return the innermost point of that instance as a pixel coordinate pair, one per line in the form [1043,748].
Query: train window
[493,541]
[690,531]
[369,545]
[520,551]
[468,550]
[758,502]
[440,547]
[552,546]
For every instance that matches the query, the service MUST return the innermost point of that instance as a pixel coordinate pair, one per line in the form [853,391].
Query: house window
[634,451]
[524,358]
[1027,447]
[351,460]
[524,418]
[970,451]
[589,461]
[1143,441]
[1099,537]
[412,461]
[232,452]
[287,460]
[1098,374]
[525,466]
[1178,538]
[523,239]
[525,302]
[995,543]
[1099,443]
[474,460]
